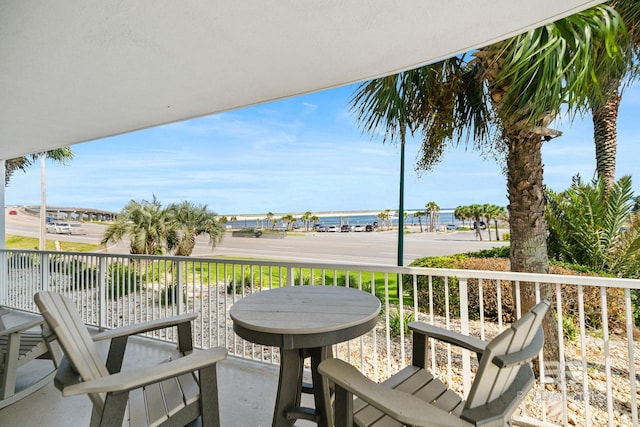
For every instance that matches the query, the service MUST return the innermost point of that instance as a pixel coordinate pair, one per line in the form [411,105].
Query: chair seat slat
[190,388]
[154,402]
[173,397]
[136,409]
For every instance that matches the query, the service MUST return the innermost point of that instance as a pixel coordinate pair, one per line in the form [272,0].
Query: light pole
[401,217]
[401,207]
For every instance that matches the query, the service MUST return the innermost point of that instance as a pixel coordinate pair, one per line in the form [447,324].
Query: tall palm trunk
[605,118]
[528,226]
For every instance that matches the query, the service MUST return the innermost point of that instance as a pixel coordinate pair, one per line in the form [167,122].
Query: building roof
[77,70]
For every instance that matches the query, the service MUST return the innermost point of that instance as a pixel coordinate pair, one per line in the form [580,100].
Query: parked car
[333,228]
[482,225]
[344,228]
[59,228]
[320,228]
[451,227]
[358,228]
[368,227]
[246,232]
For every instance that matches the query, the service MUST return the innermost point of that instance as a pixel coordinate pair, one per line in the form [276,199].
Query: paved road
[368,248]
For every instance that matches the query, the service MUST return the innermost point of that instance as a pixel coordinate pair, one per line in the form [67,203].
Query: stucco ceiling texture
[77,70]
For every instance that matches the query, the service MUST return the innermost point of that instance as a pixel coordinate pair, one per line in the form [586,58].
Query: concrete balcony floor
[247,393]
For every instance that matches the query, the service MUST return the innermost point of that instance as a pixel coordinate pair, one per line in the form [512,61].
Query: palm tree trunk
[605,118]
[528,227]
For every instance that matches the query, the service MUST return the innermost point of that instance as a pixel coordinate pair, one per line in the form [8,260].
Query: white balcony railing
[594,380]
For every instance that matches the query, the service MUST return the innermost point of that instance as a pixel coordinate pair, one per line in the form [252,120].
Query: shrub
[170,295]
[569,329]
[490,260]
[123,279]
[635,305]
[242,283]
[438,284]
[394,322]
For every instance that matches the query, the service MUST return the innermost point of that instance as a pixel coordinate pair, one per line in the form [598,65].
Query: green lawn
[21,242]
[239,276]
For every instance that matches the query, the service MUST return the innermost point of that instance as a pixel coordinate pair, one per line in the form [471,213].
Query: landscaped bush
[20,260]
[245,282]
[81,274]
[394,322]
[438,284]
[170,295]
[123,279]
[486,260]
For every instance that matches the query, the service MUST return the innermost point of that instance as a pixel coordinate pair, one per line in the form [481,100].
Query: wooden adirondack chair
[414,397]
[21,343]
[174,393]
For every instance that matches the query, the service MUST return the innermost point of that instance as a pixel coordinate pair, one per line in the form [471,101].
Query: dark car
[344,228]
[247,232]
[368,227]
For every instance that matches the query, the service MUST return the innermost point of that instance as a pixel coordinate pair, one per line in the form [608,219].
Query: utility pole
[43,203]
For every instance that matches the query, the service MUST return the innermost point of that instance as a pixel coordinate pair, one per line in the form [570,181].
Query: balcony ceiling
[77,70]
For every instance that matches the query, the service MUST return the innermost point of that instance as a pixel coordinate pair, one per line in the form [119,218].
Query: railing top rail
[374,268]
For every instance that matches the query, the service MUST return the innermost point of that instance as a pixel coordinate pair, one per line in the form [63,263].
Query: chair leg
[115,406]
[210,409]
[344,407]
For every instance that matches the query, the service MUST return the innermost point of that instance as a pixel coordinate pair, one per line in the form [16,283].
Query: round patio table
[304,321]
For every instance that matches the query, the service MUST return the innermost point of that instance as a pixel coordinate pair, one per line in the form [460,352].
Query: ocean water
[445,217]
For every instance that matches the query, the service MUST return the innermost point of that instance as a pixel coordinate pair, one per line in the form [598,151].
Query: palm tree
[432,210]
[477,212]
[271,218]
[186,222]
[498,213]
[503,99]
[60,155]
[604,109]
[145,223]
[288,219]
[586,225]
[306,217]
[419,215]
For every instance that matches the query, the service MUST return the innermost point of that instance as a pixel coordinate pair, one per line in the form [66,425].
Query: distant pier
[71,213]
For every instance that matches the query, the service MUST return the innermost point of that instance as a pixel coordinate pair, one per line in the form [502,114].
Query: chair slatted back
[64,320]
[492,380]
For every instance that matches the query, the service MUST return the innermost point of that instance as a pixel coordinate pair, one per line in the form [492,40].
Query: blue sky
[296,155]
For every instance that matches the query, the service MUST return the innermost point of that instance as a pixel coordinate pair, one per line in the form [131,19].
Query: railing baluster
[464,328]
[607,358]
[583,350]
[632,358]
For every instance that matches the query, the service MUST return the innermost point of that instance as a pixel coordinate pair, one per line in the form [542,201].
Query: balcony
[593,382]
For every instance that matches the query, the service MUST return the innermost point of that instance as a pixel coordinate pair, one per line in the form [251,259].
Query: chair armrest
[120,336]
[523,356]
[24,326]
[465,341]
[139,328]
[130,380]
[399,405]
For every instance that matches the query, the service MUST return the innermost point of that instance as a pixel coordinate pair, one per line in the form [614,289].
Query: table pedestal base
[290,388]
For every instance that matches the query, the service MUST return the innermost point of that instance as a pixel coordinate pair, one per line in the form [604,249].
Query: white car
[357,228]
[59,228]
